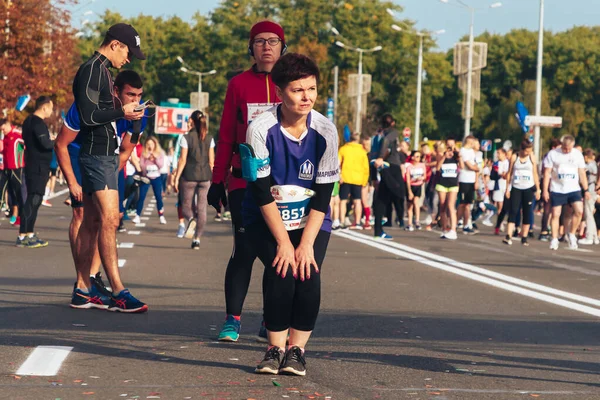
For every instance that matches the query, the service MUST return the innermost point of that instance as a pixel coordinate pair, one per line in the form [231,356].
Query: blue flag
[521,114]
[22,102]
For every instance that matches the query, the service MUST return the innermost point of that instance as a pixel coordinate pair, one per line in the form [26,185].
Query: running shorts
[417,190]
[349,190]
[444,189]
[98,172]
[560,199]
[467,192]
[74,156]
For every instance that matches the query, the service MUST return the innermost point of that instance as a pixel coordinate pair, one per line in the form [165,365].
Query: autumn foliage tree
[38,54]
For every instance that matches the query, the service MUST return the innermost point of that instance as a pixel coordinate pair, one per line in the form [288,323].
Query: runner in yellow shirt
[354,167]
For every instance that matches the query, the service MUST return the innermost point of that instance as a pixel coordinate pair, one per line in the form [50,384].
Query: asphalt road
[416,318]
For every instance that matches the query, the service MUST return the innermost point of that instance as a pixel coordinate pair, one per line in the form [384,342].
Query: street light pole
[419,83]
[469,96]
[357,126]
[470,76]
[199,85]
[336,72]
[538,89]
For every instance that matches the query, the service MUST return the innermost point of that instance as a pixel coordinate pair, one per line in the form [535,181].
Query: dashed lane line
[44,361]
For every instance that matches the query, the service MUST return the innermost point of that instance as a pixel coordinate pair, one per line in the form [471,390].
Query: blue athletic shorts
[560,199]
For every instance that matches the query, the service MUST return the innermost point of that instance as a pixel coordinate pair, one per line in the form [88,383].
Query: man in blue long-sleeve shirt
[38,154]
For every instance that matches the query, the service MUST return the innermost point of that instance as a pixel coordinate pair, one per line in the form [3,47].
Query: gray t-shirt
[390,142]
[591,170]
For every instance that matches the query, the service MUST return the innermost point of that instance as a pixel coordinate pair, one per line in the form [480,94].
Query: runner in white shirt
[564,178]
[467,179]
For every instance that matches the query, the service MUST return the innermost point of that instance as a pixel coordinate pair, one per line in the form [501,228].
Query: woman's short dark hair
[128,77]
[199,121]
[526,144]
[292,67]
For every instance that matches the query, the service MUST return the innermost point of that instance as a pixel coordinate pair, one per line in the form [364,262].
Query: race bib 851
[293,204]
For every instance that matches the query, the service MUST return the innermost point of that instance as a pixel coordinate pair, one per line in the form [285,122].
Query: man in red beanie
[248,95]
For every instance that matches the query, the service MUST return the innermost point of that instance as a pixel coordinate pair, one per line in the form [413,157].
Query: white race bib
[449,170]
[567,173]
[417,173]
[255,109]
[523,175]
[292,202]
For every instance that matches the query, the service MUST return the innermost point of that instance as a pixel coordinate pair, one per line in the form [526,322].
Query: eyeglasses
[271,41]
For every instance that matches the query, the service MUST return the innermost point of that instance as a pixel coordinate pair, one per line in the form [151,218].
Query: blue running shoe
[34,242]
[125,302]
[384,236]
[231,330]
[181,231]
[22,242]
[93,299]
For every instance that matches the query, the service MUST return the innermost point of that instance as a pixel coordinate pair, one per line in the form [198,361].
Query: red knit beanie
[267,26]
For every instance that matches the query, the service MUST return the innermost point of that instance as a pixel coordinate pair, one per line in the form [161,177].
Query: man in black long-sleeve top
[38,154]
[391,189]
[98,108]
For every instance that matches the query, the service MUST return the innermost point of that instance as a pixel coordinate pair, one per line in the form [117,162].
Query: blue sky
[428,14]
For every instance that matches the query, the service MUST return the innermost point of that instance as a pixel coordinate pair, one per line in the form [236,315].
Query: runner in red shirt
[13,156]
[248,95]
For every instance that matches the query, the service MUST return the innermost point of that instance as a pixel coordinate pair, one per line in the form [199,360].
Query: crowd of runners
[278,173]
[454,186]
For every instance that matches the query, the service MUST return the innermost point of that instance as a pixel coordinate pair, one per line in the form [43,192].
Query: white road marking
[59,193]
[122,262]
[147,213]
[126,245]
[491,391]
[491,274]
[419,256]
[144,218]
[140,225]
[134,232]
[44,361]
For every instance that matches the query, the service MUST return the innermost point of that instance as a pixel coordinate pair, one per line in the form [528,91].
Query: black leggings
[289,302]
[29,212]
[504,212]
[521,200]
[11,181]
[239,269]
[384,198]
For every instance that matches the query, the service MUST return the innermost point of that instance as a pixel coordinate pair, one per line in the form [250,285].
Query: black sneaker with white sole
[271,362]
[97,282]
[293,362]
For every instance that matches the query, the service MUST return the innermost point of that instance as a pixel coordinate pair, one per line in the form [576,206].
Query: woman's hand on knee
[284,259]
[305,258]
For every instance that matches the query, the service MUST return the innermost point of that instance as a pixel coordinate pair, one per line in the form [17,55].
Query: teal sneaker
[231,330]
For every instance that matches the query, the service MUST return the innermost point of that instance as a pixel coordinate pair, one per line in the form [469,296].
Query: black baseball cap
[127,35]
